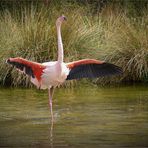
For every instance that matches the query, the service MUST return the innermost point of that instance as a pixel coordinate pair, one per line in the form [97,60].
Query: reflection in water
[106,117]
[51,134]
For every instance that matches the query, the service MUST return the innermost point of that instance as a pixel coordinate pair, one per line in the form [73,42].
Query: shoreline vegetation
[114,32]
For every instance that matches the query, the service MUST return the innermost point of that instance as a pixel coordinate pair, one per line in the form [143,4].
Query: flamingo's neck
[60,44]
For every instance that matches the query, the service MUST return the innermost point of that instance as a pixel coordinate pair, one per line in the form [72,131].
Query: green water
[85,117]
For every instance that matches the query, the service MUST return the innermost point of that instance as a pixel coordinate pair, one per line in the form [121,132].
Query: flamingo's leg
[50,94]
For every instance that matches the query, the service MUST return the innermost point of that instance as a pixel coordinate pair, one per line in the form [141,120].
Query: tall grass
[126,43]
[112,36]
[31,34]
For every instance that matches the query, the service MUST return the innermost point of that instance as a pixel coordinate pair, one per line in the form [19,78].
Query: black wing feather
[93,71]
[28,70]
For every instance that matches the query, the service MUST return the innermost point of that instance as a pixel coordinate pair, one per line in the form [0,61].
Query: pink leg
[50,105]
[50,93]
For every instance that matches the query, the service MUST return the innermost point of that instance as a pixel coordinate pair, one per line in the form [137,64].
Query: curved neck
[60,44]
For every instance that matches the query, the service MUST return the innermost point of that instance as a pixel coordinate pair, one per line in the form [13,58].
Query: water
[85,117]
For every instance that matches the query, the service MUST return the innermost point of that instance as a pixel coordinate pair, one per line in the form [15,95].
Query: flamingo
[49,75]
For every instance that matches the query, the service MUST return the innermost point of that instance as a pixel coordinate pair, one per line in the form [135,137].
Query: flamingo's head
[60,20]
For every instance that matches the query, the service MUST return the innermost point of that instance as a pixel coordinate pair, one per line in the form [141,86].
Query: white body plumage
[54,74]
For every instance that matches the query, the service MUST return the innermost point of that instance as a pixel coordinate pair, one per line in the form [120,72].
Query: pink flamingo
[49,75]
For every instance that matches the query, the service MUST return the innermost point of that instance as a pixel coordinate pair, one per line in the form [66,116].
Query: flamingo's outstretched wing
[89,68]
[30,68]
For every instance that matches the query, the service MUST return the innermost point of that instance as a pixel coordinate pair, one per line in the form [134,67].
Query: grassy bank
[111,35]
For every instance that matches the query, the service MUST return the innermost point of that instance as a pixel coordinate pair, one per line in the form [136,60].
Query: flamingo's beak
[64,18]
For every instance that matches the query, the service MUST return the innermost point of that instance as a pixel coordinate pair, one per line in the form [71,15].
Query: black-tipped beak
[8,61]
[64,17]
